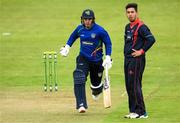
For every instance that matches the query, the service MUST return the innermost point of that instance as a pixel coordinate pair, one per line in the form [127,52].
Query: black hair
[132,5]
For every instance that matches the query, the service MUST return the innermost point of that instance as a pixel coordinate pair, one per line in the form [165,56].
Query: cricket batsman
[89,61]
[138,40]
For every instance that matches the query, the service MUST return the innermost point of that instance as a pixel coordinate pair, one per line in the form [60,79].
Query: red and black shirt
[137,36]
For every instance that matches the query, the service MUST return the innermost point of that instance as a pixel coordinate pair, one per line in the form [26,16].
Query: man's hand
[107,61]
[137,53]
[64,50]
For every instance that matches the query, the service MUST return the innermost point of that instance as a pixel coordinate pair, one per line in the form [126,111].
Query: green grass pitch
[30,27]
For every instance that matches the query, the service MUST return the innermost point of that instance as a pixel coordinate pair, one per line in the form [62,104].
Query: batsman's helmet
[88,14]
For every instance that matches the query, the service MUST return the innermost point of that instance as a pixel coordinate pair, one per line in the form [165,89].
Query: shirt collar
[132,24]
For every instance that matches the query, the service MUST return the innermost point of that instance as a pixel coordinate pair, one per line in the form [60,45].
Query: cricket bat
[106,90]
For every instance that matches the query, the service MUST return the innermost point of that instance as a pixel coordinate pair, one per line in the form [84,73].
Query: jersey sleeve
[74,35]
[107,41]
[147,36]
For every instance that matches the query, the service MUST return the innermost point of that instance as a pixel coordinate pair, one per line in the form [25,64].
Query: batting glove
[64,50]
[107,61]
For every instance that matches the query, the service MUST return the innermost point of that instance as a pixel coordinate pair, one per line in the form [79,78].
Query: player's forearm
[109,49]
[71,40]
[148,44]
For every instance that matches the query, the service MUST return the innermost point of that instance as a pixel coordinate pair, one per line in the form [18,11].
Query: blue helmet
[88,13]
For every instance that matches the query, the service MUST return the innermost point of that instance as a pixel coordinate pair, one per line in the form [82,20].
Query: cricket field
[30,27]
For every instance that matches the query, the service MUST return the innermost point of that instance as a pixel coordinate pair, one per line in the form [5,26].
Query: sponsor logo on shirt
[87,43]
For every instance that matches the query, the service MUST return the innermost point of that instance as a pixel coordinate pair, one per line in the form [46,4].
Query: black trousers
[96,71]
[133,69]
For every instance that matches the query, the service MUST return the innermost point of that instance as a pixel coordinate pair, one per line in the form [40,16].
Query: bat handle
[106,71]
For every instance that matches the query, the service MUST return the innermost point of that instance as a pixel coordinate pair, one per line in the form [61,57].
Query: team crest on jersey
[93,35]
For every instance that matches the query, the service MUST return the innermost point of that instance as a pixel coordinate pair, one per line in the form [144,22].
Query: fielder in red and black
[138,39]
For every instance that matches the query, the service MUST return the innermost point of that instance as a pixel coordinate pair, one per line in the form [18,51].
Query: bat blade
[107,93]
